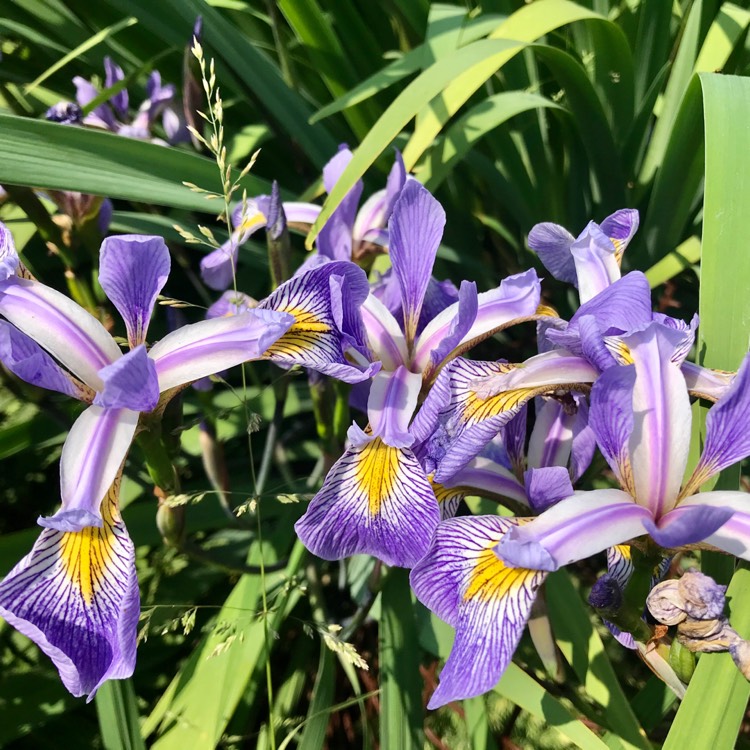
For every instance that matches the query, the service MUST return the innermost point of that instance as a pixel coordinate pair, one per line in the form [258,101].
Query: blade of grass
[584,651]
[685,256]
[474,125]
[117,711]
[401,711]
[715,703]
[409,63]
[81,49]
[48,155]
[527,693]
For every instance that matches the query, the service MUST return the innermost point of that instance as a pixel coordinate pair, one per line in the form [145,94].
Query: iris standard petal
[384,335]
[91,458]
[392,402]
[620,228]
[64,329]
[727,434]
[436,342]
[129,383]
[133,269]
[552,435]
[375,500]
[211,346]
[551,243]
[76,596]
[611,418]
[113,74]
[660,441]
[483,476]
[734,535]
[596,266]
[335,239]
[467,585]
[314,339]
[218,267]
[547,486]
[584,441]
[9,260]
[26,359]
[230,303]
[574,529]
[414,230]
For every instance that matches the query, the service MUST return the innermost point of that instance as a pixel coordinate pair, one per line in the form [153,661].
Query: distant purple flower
[346,236]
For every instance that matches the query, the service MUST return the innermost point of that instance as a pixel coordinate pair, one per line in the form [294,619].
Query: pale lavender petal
[64,329]
[552,243]
[687,525]
[129,383]
[9,259]
[211,346]
[547,486]
[91,458]
[706,383]
[218,267]
[393,400]
[375,500]
[596,265]
[316,339]
[415,230]
[26,359]
[611,419]
[584,441]
[727,433]
[370,217]
[517,297]
[395,183]
[552,436]
[734,535]
[574,529]
[335,239]
[385,337]
[76,596]
[464,583]
[133,269]
[230,303]
[660,441]
[620,228]
[113,74]
[483,476]
[465,314]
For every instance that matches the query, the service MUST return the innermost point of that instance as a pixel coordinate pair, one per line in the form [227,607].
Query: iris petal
[76,596]
[375,500]
[467,585]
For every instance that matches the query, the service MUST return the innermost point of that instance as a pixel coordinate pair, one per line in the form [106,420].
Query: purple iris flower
[481,573]
[471,401]
[377,498]
[76,593]
[347,235]
[115,114]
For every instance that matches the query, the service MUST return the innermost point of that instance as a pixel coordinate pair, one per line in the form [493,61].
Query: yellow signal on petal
[376,473]
[492,579]
[547,311]
[619,350]
[252,221]
[620,246]
[303,336]
[477,408]
[86,555]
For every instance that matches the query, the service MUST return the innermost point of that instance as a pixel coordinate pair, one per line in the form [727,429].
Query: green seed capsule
[682,661]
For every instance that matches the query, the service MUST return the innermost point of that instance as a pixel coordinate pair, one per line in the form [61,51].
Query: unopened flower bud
[606,593]
[682,661]
[740,652]
[171,523]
